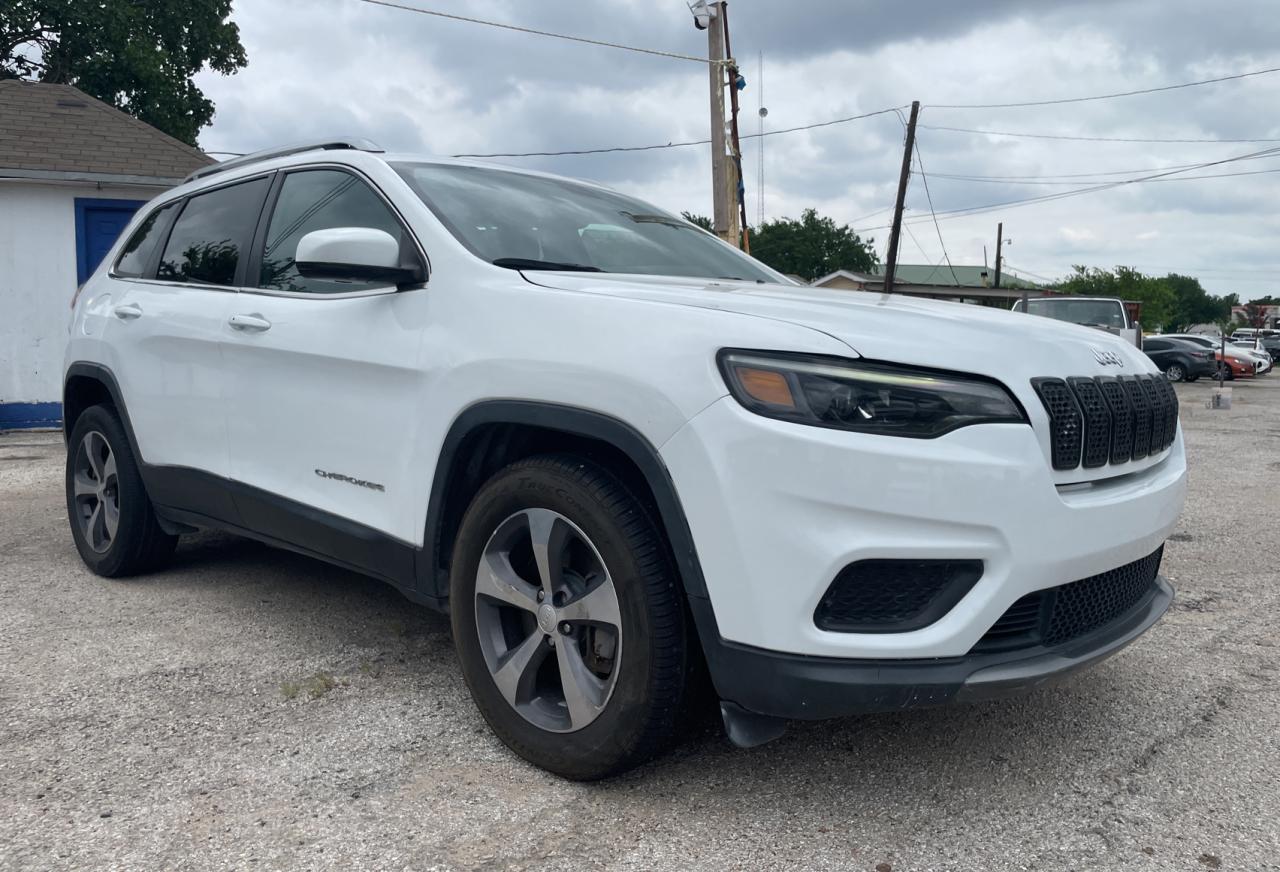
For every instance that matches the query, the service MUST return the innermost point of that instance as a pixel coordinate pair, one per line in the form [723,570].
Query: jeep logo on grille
[1107,358]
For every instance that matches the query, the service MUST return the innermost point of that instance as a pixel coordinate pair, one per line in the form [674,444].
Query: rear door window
[135,258]
[212,234]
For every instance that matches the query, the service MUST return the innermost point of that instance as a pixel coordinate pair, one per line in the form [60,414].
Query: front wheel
[568,618]
[1175,372]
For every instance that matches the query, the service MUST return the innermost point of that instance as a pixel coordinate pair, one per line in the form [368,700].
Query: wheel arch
[89,384]
[490,435]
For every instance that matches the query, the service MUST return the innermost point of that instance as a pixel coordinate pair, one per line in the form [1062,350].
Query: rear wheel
[112,522]
[1175,372]
[568,619]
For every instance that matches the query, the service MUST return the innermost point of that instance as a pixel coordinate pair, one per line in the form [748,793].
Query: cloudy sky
[421,83]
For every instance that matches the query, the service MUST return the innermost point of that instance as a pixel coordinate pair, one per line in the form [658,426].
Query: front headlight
[863,396]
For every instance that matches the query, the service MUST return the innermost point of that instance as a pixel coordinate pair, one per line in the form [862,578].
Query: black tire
[1224,371]
[137,544]
[640,715]
[1192,378]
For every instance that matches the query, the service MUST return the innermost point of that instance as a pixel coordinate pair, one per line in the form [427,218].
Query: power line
[925,179]
[976,210]
[530,30]
[1049,176]
[1179,179]
[1085,138]
[656,146]
[1062,100]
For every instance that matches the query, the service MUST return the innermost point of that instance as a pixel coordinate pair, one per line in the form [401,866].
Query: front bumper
[788,686]
[777,510]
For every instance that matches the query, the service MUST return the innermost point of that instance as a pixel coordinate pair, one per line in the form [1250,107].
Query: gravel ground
[249,708]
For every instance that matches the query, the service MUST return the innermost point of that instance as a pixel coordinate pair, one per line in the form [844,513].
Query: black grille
[1060,614]
[1142,416]
[1066,422]
[1122,418]
[1107,419]
[1097,421]
[1171,419]
[1159,412]
[1018,627]
[894,596]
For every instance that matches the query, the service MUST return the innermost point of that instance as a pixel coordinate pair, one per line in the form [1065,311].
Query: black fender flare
[579,422]
[102,374]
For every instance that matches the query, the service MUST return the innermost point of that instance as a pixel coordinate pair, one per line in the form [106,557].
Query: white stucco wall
[37,281]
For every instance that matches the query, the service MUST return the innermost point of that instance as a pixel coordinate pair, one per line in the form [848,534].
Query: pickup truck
[1102,313]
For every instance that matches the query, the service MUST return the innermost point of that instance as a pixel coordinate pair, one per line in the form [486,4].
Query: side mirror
[358,254]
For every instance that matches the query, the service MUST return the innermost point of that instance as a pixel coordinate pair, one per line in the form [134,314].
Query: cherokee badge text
[337,476]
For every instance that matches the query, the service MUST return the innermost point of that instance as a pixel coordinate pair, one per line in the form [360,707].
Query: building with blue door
[73,171]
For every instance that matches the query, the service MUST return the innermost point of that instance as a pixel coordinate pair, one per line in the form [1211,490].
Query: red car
[1237,367]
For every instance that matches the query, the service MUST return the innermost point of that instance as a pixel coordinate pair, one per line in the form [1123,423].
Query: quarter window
[140,248]
[319,200]
[211,234]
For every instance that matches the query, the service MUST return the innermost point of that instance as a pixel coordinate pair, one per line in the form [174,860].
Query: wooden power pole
[999,244]
[891,261]
[722,206]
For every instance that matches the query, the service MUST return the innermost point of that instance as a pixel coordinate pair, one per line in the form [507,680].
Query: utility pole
[999,243]
[738,206]
[722,209]
[891,261]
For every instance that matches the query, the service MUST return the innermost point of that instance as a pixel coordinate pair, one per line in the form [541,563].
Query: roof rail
[284,150]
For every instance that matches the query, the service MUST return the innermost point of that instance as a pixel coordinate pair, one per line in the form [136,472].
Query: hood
[1011,347]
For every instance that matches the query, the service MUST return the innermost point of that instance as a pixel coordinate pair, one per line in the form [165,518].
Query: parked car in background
[1237,363]
[1254,348]
[1100,313]
[1179,359]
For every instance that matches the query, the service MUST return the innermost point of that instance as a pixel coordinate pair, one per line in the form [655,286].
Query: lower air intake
[894,596]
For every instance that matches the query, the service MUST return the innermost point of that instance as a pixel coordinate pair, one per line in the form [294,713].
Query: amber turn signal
[766,386]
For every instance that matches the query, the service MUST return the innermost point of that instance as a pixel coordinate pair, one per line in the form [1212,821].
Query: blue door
[98,224]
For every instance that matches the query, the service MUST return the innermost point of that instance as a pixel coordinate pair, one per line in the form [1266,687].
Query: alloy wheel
[548,620]
[96,491]
[1175,373]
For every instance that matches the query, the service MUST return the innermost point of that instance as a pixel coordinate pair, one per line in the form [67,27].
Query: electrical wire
[1054,176]
[1178,179]
[1070,138]
[1135,93]
[530,30]
[656,146]
[925,180]
[1007,204]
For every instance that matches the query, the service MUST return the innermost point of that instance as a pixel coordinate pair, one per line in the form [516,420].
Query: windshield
[532,222]
[1093,313]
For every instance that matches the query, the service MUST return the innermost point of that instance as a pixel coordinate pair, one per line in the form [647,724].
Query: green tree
[812,246]
[1193,305]
[139,55]
[700,220]
[1157,298]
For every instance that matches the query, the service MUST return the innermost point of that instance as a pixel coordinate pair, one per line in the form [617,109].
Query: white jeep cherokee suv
[615,448]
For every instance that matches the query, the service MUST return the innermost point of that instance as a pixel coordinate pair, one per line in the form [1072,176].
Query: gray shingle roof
[60,129]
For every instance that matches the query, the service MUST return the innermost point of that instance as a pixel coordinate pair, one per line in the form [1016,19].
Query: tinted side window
[212,234]
[1155,345]
[318,200]
[141,246]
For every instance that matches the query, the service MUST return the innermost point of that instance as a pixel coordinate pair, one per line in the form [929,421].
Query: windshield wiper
[531,263]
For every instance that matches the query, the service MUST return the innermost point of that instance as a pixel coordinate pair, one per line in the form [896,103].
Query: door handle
[255,323]
[128,311]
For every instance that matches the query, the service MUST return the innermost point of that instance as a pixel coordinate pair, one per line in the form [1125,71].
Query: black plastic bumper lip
[753,682]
